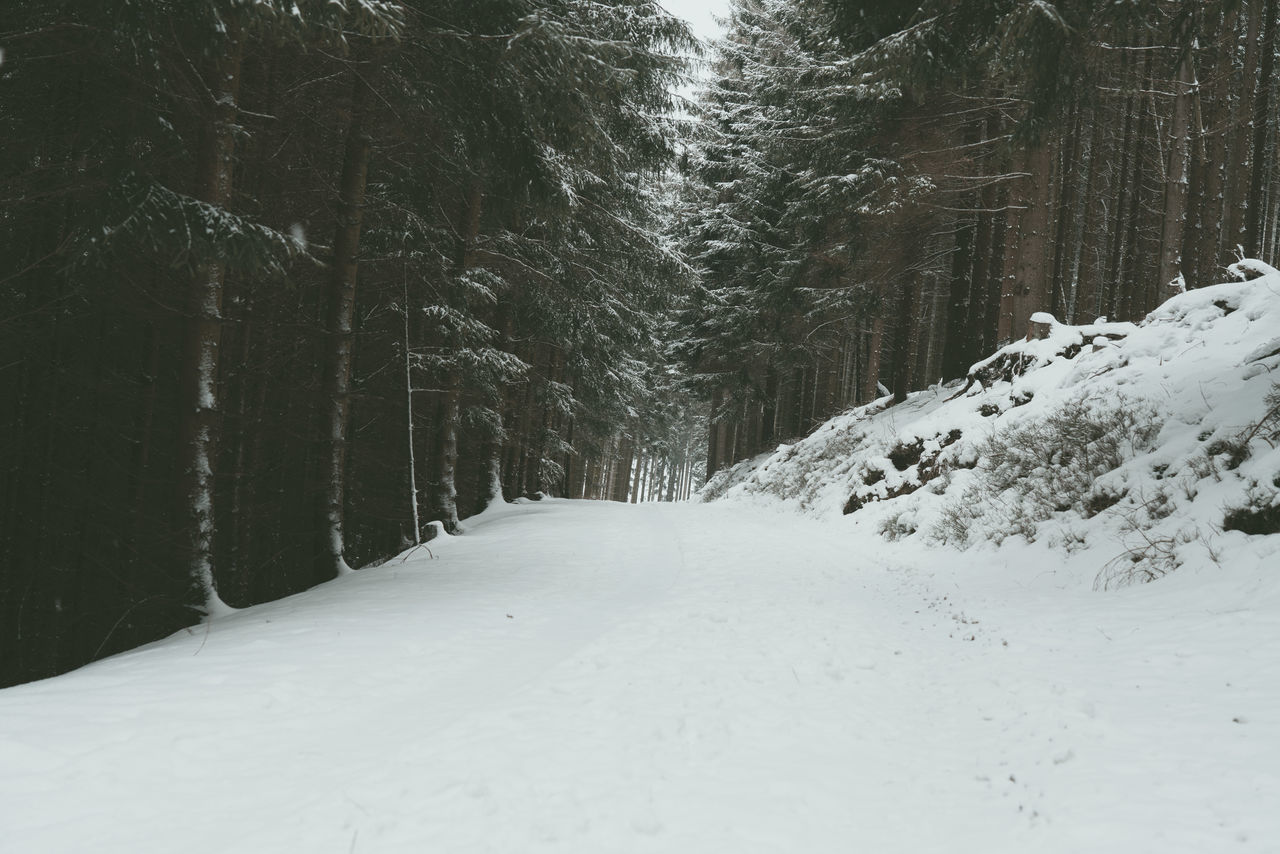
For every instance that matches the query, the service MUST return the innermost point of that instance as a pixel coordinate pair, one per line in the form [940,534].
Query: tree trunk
[871,380]
[782,429]
[1016,214]
[955,361]
[1061,287]
[1115,254]
[713,433]
[638,479]
[446,498]
[1212,152]
[1176,174]
[1089,271]
[1132,303]
[769,409]
[1255,221]
[621,480]
[568,461]
[490,490]
[903,343]
[673,478]
[415,521]
[341,320]
[996,259]
[1238,170]
[824,395]
[202,336]
[1030,287]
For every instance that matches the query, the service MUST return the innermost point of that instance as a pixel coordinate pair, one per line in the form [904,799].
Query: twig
[430,553]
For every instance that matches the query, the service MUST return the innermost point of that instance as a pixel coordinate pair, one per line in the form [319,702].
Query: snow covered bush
[1260,513]
[1124,450]
[1268,427]
[1037,467]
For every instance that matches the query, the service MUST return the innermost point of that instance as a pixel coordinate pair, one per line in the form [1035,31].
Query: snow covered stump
[1040,325]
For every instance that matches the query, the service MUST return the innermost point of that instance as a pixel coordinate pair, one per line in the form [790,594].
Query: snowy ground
[595,677]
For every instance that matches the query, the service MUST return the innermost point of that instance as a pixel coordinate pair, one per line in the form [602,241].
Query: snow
[592,676]
[963,662]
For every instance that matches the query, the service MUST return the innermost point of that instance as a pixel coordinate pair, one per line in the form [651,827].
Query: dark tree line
[283,282]
[885,192]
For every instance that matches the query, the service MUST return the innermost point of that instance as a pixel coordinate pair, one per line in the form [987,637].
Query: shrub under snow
[1145,446]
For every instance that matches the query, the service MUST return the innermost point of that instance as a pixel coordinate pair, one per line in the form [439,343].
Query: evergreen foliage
[884,192]
[261,255]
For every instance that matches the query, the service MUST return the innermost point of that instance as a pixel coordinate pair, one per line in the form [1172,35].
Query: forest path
[595,677]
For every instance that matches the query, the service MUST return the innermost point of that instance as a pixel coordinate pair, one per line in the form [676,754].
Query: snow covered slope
[594,677]
[1124,451]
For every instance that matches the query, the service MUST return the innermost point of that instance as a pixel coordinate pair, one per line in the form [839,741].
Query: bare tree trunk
[202,336]
[713,433]
[608,468]
[1031,284]
[1212,151]
[769,409]
[1061,284]
[341,319]
[1016,213]
[954,357]
[871,380]
[1255,221]
[638,479]
[588,477]
[674,474]
[1132,291]
[446,499]
[622,470]
[1089,270]
[824,394]
[1176,173]
[1206,216]
[1116,252]
[447,490]
[782,411]
[993,312]
[416,536]
[241,474]
[490,490]
[903,340]
[568,461]
[1238,164]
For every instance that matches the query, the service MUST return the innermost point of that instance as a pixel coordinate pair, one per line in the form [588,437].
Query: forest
[284,283]
[887,192]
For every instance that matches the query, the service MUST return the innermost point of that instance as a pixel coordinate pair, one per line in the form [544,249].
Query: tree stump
[1039,326]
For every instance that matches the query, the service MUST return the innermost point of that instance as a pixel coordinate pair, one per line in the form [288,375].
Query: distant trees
[283,282]
[884,191]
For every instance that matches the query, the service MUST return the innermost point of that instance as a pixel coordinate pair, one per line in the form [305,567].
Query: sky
[699,14]
[701,17]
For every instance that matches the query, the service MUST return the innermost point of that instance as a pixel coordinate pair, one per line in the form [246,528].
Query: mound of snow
[1144,447]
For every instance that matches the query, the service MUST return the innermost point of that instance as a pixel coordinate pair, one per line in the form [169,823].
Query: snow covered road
[595,677]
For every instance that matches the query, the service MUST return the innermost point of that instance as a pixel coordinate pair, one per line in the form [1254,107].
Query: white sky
[698,13]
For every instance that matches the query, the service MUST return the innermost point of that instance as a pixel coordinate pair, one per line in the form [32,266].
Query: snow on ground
[737,676]
[596,677]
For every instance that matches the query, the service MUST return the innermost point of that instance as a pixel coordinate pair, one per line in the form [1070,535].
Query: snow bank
[1139,448]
